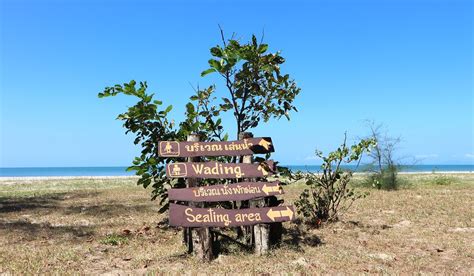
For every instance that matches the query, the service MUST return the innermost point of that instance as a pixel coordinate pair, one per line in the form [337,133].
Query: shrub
[329,194]
[386,179]
[443,180]
[383,167]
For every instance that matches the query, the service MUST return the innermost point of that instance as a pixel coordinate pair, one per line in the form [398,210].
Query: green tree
[256,88]
[149,124]
[257,91]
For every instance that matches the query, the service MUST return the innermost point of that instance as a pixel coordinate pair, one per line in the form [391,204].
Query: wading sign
[190,216]
[219,170]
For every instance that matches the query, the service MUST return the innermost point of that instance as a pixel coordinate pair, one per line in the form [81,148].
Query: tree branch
[222,35]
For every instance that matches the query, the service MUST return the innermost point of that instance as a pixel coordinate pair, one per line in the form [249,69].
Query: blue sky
[406,64]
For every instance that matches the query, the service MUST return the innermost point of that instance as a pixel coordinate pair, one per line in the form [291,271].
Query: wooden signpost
[231,192]
[195,215]
[187,216]
[219,170]
[225,148]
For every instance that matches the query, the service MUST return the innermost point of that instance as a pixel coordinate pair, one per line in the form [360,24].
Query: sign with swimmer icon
[191,216]
[218,170]
[225,148]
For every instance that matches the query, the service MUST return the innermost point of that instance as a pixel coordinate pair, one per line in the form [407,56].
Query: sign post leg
[261,232]
[247,231]
[199,239]
[260,237]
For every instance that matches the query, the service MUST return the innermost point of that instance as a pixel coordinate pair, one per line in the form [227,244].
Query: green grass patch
[114,239]
[443,180]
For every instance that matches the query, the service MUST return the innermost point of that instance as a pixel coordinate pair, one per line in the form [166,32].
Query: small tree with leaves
[329,194]
[151,124]
[256,91]
[256,88]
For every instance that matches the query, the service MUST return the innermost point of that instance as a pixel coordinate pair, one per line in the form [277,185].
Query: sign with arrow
[231,192]
[188,216]
[218,170]
[225,148]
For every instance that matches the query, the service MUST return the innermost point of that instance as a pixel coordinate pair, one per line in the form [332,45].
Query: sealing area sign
[188,216]
[225,148]
[231,192]
[219,170]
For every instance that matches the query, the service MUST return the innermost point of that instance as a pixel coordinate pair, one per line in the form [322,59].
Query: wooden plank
[231,192]
[224,148]
[188,216]
[219,170]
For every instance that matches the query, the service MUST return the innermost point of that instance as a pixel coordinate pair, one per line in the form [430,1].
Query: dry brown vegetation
[99,226]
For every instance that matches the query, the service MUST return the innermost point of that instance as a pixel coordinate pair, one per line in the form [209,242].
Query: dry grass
[98,226]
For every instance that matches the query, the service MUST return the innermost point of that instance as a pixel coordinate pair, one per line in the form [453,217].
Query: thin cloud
[469,155]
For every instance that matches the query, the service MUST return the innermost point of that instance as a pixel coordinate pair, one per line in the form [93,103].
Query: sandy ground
[110,226]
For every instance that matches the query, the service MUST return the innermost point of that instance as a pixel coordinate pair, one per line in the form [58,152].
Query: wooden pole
[261,232]
[246,231]
[199,240]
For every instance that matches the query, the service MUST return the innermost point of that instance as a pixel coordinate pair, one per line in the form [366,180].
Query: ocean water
[121,171]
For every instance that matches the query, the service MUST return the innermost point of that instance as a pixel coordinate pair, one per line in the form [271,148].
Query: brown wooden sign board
[231,192]
[225,148]
[219,170]
[188,216]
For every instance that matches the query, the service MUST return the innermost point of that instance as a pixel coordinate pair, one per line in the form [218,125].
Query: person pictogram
[176,170]
[168,147]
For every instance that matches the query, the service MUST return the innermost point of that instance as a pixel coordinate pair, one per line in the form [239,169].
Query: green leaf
[132,168]
[215,64]
[262,48]
[217,51]
[208,71]
[190,108]
[254,40]
[168,109]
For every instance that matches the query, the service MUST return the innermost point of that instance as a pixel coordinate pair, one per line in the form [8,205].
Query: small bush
[328,193]
[386,179]
[383,167]
[443,180]
[114,239]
